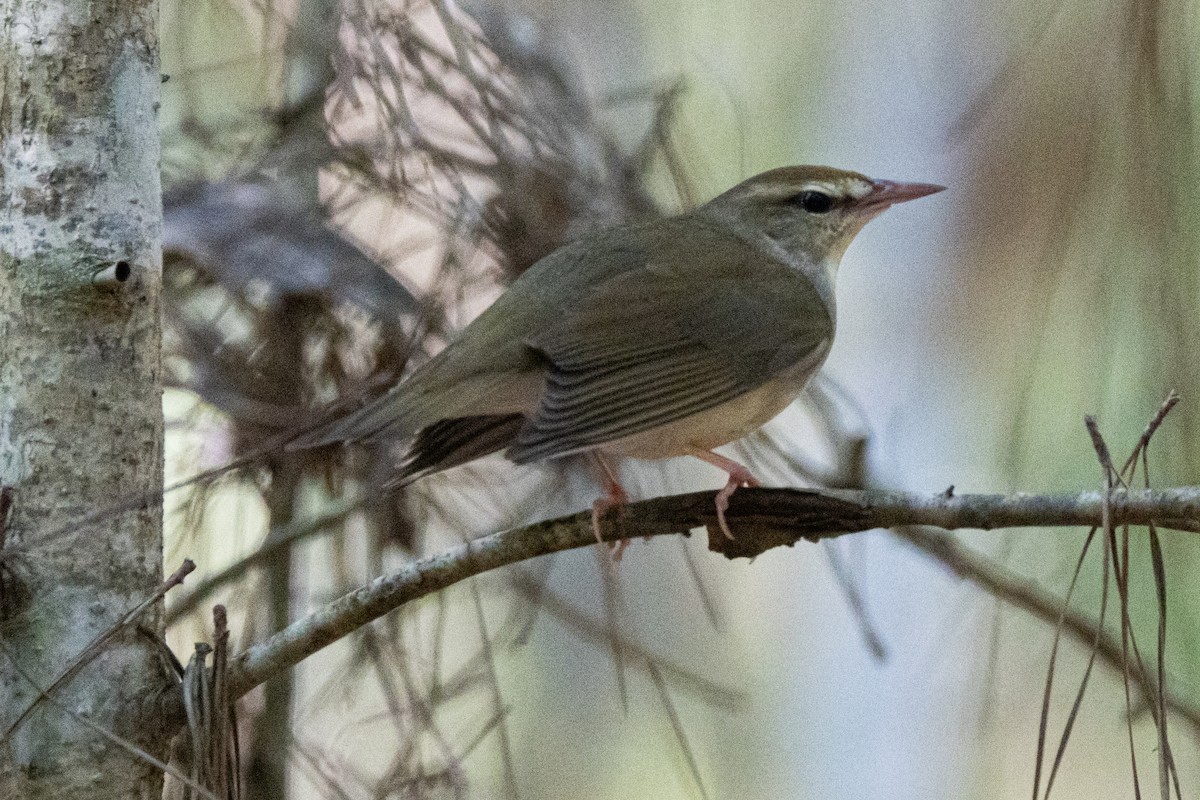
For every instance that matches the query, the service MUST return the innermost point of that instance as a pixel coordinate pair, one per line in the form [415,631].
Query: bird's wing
[654,345]
[489,369]
[696,335]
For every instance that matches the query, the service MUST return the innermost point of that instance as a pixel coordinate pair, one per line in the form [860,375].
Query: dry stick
[297,531]
[591,630]
[766,518]
[96,645]
[1151,691]
[228,759]
[1106,526]
[277,540]
[1120,567]
[1149,687]
[1168,772]
[493,681]
[195,705]
[677,727]
[211,726]
[1155,423]
[843,574]
[1044,716]
[1018,591]
[418,709]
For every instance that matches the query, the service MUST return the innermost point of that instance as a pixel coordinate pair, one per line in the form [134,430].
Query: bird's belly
[719,425]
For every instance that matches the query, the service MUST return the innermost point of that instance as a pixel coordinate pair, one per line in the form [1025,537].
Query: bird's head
[813,213]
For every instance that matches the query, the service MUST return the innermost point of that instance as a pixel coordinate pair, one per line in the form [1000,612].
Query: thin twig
[1151,428]
[593,631]
[277,540]
[493,681]
[1106,526]
[1020,592]
[1052,663]
[677,727]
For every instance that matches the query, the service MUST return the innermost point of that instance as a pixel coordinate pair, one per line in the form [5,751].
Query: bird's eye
[815,202]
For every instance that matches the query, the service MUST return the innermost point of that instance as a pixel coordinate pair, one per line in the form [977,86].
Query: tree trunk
[80,384]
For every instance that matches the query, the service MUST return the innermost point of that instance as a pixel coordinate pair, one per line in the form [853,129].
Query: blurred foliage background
[350,182]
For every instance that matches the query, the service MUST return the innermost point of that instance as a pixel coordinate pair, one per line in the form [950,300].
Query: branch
[761,518]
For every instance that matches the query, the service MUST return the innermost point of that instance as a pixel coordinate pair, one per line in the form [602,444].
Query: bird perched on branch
[652,340]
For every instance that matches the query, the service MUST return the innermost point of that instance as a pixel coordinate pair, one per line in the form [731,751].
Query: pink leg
[614,497]
[738,476]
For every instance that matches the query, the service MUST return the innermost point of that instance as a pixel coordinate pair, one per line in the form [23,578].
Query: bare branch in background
[453,152]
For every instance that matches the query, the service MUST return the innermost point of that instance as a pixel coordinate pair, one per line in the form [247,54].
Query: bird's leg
[738,476]
[614,497]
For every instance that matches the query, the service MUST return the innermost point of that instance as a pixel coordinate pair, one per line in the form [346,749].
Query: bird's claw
[615,497]
[737,478]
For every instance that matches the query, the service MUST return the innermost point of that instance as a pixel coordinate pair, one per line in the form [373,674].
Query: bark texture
[80,385]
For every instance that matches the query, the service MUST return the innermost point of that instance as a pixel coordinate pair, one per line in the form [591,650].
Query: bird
[649,340]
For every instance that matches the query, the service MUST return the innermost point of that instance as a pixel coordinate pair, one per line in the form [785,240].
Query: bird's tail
[388,415]
[450,442]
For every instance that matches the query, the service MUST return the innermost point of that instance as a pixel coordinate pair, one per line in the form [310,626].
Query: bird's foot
[605,504]
[738,476]
[615,496]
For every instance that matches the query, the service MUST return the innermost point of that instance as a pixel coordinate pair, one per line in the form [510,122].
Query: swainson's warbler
[651,340]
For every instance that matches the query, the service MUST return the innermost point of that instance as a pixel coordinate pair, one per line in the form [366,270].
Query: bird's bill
[887,193]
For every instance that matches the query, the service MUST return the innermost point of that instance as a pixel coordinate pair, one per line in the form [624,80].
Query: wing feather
[652,346]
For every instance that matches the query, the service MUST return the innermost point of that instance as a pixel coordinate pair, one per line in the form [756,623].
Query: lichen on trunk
[80,384]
